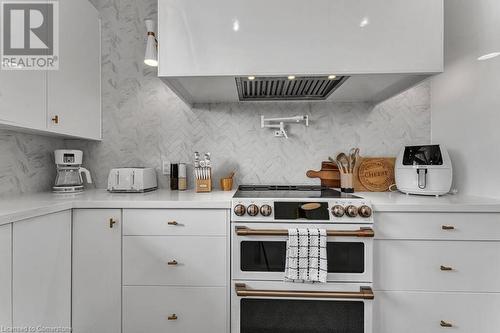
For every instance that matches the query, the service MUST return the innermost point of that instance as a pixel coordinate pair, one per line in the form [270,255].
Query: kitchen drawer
[176,222]
[416,265]
[147,309]
[418,312]
[200,261]
[446,226]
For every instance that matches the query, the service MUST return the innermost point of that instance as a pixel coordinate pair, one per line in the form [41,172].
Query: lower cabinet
[175,275]
[6,275]
[174,309]
[433,312]
[435,272]
[41,271]
[96,270]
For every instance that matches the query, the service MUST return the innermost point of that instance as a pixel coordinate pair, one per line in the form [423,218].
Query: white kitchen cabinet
[175,264]
[418,312]
[175,309]
[23,98]
[261,37]
[6,275]
[74,91]
[174,222]
[437,226]
[96,270]
[42,271]
[174,260]
[66,101]
[437,265]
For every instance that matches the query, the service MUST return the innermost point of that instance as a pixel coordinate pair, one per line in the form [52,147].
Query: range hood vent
[302,88]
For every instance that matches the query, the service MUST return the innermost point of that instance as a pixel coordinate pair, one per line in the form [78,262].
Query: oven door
[259,253]
[280,307]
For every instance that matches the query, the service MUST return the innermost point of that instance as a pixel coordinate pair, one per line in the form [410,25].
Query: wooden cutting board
[329,174]
[374,174]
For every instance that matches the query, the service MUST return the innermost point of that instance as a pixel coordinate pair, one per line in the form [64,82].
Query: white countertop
[399,202]
[30,205]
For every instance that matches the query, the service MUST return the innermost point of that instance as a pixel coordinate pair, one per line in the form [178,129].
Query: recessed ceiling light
[364,22]
[291,77]
[332,77]
[251,78]
[236,25]
[489,56]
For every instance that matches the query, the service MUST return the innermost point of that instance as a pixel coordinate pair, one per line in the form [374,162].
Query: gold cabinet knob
[447,227]
[445,324]
[172,263]
[173,223]
[112,222]
[55,119]
[173,316]
[446,268]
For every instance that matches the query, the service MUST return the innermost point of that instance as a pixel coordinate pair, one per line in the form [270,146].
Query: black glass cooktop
[289,191]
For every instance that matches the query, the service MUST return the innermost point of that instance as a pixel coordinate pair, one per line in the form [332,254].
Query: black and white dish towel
[306,256]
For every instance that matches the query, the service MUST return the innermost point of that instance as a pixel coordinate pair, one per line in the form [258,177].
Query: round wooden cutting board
[376,174]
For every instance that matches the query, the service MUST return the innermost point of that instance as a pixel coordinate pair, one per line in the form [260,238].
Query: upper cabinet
[66,101]
[23,98]
[74,90]
[360,39]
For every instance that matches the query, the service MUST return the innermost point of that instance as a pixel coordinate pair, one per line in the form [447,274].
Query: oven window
[260,256]
[299,316]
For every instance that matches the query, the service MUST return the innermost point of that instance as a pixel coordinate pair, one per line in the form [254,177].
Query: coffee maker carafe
[69,171]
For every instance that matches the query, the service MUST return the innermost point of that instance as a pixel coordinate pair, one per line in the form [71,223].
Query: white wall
[465,99]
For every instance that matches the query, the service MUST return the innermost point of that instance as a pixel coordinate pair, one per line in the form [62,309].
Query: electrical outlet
[165,168]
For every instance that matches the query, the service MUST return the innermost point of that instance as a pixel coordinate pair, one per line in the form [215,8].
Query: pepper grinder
[174,176]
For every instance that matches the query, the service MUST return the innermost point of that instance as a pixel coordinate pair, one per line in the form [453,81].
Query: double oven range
[260,299]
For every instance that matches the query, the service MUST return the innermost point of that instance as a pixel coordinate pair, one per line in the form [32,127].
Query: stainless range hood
[290,50]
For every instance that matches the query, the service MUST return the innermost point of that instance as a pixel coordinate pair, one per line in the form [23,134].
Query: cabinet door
[6,275]
[418,312]
[175,309]
[42,271]
[96,270]
[74,91]
[437,265]
[23,98]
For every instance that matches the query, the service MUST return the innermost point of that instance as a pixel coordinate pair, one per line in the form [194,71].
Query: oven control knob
[351,211]
[239,210]
[365,211]
[338,211]
[266,210]
[252,210]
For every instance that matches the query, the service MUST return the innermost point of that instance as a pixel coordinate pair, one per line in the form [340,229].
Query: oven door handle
[362,232]
[363,293]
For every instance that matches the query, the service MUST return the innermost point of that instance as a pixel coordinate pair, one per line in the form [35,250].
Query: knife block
[204,185]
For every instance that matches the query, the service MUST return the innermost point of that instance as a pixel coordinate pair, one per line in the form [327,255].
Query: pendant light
[151,57]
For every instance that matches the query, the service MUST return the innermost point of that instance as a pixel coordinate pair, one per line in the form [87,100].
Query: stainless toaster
[132,180]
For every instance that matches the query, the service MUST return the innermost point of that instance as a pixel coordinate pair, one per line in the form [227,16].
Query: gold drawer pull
[55,119]
[173,223]
[112,222]
[448,227]
[445,324]
[446,268]
[172,263]
[173,316]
